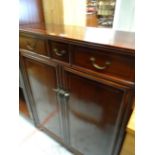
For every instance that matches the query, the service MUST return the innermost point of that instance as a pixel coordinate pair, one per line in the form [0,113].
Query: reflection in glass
[116,14]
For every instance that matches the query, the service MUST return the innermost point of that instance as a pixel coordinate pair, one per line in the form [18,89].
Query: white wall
[124,15]
[75,12]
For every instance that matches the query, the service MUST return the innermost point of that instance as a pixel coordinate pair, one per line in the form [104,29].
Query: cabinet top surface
[102,36]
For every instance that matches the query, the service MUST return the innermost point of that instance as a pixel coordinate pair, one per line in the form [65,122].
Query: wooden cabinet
[85,104]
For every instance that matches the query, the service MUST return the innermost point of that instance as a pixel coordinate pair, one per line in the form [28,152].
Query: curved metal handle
[59,53]
[107,63]
[30,47]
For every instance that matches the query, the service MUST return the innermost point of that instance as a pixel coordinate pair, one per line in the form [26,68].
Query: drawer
[59,51]
[104,62]
[33,44]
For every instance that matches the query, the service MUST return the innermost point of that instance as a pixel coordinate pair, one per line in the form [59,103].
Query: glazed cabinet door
[94,112]
[42,81]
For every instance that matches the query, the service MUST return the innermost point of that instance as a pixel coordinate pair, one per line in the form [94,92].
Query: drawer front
[59,51]
[108,63]
[36,45]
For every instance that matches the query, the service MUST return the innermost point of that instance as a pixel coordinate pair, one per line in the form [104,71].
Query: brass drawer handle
[30,46]
[59,53]
[107,63]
